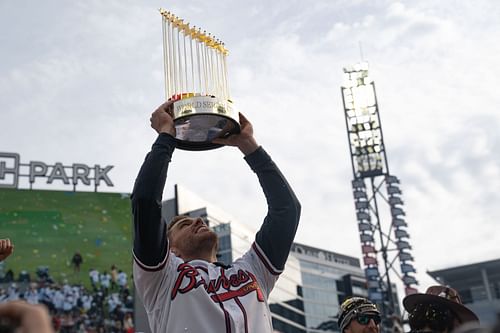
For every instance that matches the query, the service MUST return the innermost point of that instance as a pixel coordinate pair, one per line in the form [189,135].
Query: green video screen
[49,227]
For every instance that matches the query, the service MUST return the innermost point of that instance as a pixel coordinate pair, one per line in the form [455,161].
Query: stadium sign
[11,169]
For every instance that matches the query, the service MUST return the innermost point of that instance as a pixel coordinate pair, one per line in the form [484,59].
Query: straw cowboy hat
[444,296]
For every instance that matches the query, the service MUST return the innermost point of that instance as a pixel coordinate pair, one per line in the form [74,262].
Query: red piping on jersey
[264,260]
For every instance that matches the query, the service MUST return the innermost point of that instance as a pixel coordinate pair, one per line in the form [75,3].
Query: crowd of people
[74,308]
[105,307]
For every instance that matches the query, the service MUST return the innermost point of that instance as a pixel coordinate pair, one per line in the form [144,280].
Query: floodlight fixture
[400,233]
[358,183]
[393,200]
[405,256]
[399,222]
[372,272]
[391,179]
[363,216]
[401,245]
[365,238]
[359,195]
[362,122]
[368,249]
[407,268]
[370,260]
[397,211]
[362,205]
[409,280]
[393,190]
[364,226]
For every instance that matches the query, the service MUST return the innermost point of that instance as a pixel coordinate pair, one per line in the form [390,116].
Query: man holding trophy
[176,275]
[182,287]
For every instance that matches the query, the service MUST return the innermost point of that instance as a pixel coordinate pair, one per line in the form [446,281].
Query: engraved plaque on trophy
[196,80]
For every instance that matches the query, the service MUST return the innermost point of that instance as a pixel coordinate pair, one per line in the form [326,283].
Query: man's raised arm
[150,237]
[276,234]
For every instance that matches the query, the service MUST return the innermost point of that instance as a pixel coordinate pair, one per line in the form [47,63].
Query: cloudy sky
[79,79]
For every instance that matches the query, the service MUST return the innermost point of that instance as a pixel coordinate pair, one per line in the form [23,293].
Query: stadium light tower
[382,236]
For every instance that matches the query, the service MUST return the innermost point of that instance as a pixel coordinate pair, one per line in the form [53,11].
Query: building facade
[327,279]
[478,285]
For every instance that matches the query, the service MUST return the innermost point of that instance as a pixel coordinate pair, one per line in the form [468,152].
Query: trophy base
[200,119]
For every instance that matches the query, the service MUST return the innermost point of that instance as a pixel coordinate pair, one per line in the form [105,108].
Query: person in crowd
[77,261]
[122,279]
[176,274]
[19,316]
[114,276]
[128,323]
[439,310]
[359,315]
[9,276]
[105,280]
[31,295]
[94,278]
[6,248]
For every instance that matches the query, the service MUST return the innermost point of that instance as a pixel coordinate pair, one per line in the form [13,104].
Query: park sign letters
[11,169]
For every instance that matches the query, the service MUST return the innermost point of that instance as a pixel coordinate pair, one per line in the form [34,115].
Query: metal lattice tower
[383,235]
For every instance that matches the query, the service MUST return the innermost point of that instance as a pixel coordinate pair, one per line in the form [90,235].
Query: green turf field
[48,227]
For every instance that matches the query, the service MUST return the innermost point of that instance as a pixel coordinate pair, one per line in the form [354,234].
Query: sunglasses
[364,318]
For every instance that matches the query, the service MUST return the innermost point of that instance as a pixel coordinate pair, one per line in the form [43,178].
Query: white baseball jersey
[198,296]
[94,276]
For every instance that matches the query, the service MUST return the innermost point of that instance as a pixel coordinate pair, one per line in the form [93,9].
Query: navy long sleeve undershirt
[275,236]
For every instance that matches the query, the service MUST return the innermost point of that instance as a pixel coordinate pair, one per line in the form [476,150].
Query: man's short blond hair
[176,219]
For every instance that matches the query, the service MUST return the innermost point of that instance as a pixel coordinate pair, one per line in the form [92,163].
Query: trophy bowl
[200,119]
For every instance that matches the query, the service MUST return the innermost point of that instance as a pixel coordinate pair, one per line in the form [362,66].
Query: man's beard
[200,244]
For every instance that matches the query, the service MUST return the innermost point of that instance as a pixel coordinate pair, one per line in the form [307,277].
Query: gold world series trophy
[196,80]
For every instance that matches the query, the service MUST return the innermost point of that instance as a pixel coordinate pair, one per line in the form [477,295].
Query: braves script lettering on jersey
[199,296]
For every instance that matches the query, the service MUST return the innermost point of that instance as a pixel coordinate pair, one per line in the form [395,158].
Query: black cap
[353,306]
